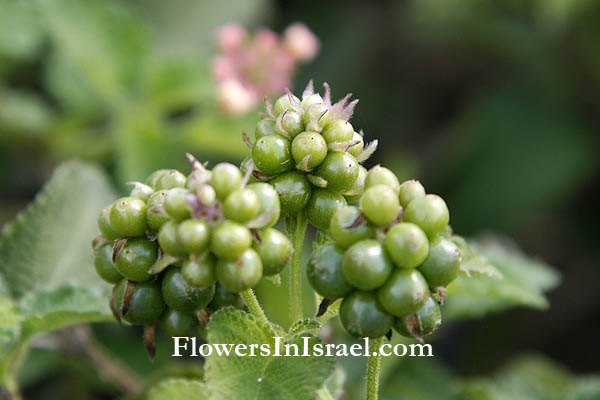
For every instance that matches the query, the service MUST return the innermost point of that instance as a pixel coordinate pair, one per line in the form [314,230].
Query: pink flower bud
[302,44]
[234,98]
[231,36]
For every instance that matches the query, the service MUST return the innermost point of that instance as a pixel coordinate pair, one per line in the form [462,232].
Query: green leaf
[260,377]
[24,113]
[523,284]
[179,389]
[21,33]
[309,325]
[46,271]
[472,263]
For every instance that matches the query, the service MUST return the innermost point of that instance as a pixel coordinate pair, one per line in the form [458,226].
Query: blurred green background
[493,105]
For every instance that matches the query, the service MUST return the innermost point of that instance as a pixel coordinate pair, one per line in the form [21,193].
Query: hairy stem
[254,306]
[295,281]
[374,370]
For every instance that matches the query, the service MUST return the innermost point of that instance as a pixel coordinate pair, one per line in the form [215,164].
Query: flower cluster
[248,68]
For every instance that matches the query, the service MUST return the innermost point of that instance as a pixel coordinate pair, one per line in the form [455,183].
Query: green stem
[373,370]
[254,306]
[331,312]
[295,281]
[323,394]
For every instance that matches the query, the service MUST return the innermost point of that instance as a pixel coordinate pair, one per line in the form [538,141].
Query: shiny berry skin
[141,191]
[242,273]
[268,200]
[176,204]
[229,240]
[338,131]
[206,194]
[177,323]
[313,111]
[224,298]
[428,319]
[283,103]
[128,217]
[145,306]
[155,176]
[241,205]
[410,190]
[274,249]
[291,123]
[324,271]
[362,315]
[199,272]
[272,154]
[135,258]
[404,293]
[366,265]
[225,178]
[170,179]
[429,212]
[155,217]
[407,245]
[358,147]
[193,235]
[294,191]
[443,264]
[379,175]
[167,239]
[340,170]
[354,194]
[104,265]
[104,224]
[380,204]
[342,233]
[309,143]
[264,127]
[321,207]
[180,296]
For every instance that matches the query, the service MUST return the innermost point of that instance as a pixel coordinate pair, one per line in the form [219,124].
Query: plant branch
[374,370]
[253,305]
[295,281]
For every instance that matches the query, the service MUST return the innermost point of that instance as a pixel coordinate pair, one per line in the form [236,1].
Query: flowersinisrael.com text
[183,345]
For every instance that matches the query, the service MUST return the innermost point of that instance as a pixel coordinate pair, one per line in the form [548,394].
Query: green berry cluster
[389,259]
[178,244]
[310,153]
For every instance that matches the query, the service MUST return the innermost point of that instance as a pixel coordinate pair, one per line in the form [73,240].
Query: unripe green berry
[340,170]
[243,273]
[357,148]
[292,124]
[268,201]
[197,178]
[338,131]
[283,103]
[428,319]
[206,195]
[176,323]
[167,239]
[294,191]
[156,215]
[170,179]
[199,272]
[128,217]
[229,240]
[380,204]
[354,194]
[315,110]
[410,190]
[152,180]
[135,258]
[145,305]
[225,179]
[324,271]
[404,293]
[274,249]
[443,263]
[362,315]
[264,127]
[379,175]
[321,207]
[309,143]
[104,224]
[224,298]
[342,230]
[407,245]
[366,265]
[272,154]
[429,212]
[176,204]
[241,205]
[104,265]
[311,99]
[193,235]
[141,191]
[180,296]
